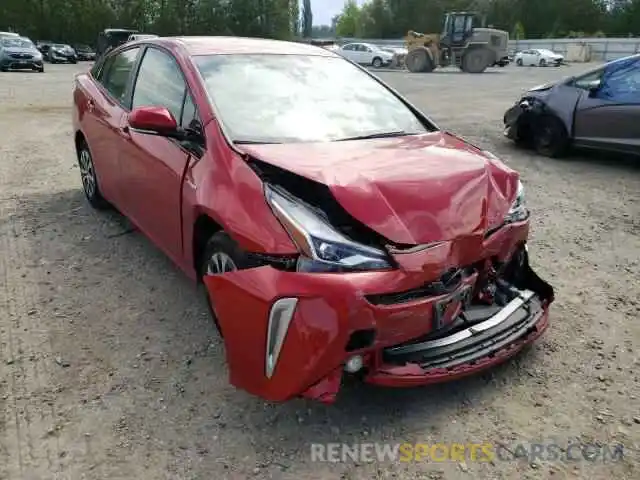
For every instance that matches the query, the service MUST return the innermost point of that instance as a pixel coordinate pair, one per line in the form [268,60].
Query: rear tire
[89,178]
[550,137]
[519,62]
[475,61]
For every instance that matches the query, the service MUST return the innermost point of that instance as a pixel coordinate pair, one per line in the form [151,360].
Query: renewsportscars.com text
[469,452]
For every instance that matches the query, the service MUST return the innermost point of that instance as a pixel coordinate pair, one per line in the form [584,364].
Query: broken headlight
[518,211]
[322,247]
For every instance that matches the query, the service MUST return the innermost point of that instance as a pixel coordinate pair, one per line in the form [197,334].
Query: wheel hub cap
[219,263]
[87,174]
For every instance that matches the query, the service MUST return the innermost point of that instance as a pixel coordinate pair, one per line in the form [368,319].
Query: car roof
[119,30]
[240,45]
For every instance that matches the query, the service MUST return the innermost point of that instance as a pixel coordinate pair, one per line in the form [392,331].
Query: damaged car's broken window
[294,98]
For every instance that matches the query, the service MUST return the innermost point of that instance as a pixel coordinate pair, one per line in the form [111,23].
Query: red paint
[331,307]
[154,119]
[413,190]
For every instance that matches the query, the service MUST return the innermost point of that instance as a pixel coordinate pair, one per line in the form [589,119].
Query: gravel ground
[111,368]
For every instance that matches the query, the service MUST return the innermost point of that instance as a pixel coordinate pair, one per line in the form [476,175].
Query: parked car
[598,109]
[366,243]
[19,53]
[366,54]
[84,52]
[61,53]
[141,36]
[111,38]
[538,57]
[43,46]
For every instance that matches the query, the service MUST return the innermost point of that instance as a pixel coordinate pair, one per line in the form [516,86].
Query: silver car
[19,53]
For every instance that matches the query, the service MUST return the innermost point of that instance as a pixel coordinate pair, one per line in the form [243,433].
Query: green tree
[348,22]
[518,31]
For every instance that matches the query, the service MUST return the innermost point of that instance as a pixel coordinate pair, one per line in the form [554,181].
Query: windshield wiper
[255,142]
[398,133]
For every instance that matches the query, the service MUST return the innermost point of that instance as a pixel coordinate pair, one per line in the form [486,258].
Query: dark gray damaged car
[599,109]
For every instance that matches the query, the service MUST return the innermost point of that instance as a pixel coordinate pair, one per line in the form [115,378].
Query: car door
[608,112]
[364,54]
[104,108]
[349,51]
[367,55]
[152,167]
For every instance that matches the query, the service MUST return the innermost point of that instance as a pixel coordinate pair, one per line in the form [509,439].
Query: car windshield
[16,42]
[298,98]
[546,52]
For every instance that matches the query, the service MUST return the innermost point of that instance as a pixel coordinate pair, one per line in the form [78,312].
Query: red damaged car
[338,230]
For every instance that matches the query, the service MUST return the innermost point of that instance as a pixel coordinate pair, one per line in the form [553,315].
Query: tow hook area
[326,390]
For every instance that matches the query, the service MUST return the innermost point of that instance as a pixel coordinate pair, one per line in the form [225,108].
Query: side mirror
[593,88]
[154,120]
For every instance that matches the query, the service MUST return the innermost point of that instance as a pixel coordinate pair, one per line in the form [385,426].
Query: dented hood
[412,190]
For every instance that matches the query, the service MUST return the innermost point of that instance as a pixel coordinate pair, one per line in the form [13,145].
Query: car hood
[412,190]
[30,51]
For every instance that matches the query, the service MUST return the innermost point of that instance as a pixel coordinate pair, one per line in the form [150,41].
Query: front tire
[90,179]
[377,62]
[419,61]
[550,137]
[519,62]
[221,255]
[543,62]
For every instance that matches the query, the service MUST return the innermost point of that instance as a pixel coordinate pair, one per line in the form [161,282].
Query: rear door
[152,167]
[608,112]
[104,107]
[362,54]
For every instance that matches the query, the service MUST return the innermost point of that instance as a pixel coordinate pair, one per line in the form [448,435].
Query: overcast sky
[324,10]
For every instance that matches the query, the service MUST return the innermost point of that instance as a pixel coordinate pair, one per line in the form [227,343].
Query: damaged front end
[506,310]
[354,302]
[520,119]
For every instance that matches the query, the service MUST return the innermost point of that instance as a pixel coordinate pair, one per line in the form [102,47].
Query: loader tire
[419,61]
[475,61]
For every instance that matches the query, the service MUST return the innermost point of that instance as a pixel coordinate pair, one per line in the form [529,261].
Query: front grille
[21,56]
[447,283]
[519,325]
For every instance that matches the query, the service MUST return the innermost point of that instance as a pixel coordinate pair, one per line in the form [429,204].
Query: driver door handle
[90,105]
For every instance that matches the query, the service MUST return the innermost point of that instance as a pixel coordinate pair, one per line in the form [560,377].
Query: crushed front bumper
[466,351]
[390,319]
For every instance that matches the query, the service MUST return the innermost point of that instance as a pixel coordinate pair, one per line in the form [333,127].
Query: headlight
[37,56]
[322,248]
[518,211]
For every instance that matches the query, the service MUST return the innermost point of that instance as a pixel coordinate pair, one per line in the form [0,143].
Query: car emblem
[448,309]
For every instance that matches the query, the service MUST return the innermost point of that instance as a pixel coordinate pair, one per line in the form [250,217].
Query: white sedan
[538,57]
[366,54]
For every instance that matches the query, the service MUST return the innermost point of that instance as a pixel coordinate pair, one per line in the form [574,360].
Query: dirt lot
[111,368]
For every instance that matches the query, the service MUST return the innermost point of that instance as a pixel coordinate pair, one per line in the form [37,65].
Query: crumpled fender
[314,343]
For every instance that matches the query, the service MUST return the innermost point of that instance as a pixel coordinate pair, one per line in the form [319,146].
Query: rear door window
[116,73]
